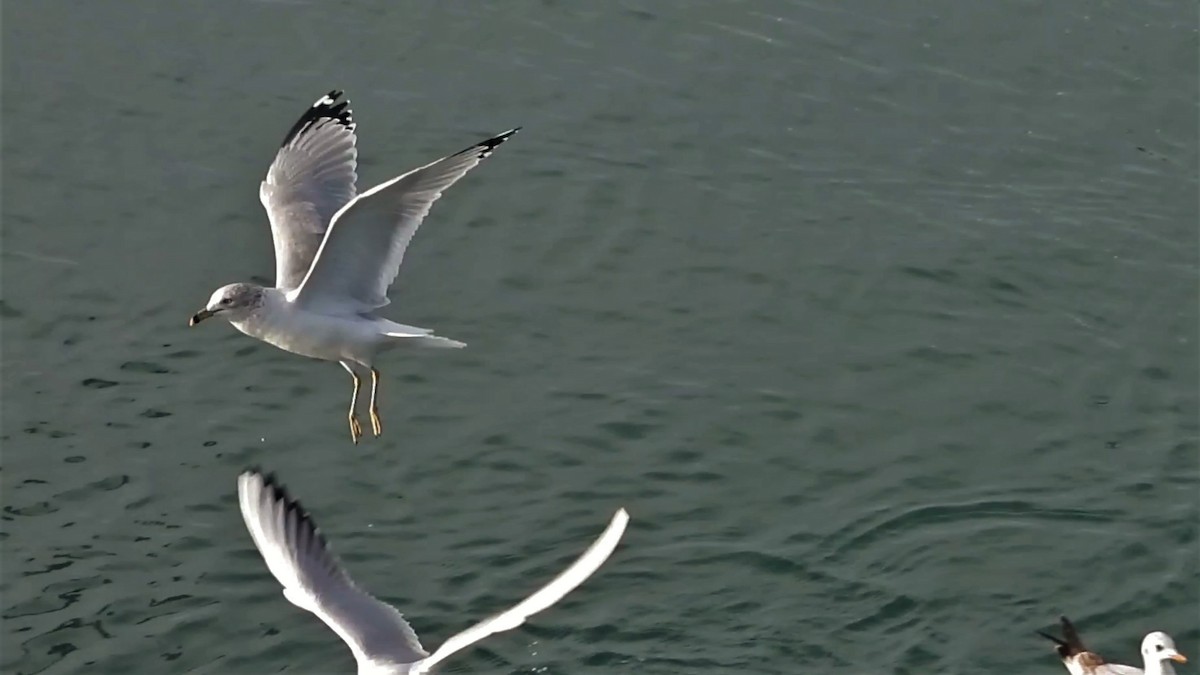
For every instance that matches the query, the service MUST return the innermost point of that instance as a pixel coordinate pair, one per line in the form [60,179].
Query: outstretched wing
[363,249]
[312,177]
[313,578]
[564,583]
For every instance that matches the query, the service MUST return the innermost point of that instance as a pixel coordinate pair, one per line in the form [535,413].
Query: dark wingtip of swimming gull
[328,107]
[1062,645]
[1071,636]
[1069,645]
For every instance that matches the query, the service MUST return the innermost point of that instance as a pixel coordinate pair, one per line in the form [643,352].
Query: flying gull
[382,641]
[337,251]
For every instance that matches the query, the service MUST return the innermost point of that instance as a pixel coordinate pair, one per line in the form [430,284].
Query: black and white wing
[365,244]
[312,177]
[546,596]
[1078,659]
[313,578]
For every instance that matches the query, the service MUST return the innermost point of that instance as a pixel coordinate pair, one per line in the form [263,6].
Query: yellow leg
[355,427]
[376,425]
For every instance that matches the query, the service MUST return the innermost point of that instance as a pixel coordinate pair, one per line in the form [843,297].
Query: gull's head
[233,303]
[1158,647]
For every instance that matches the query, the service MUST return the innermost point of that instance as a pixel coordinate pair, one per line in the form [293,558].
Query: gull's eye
[225,301]
[1158,648]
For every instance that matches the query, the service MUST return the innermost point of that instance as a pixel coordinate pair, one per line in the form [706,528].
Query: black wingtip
[1057,641]
[279,492]
[484,148]
[1061,647]
[1071,635]
[328,107]
[1069,644]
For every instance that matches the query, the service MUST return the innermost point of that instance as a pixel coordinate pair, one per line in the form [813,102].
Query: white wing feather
[564,583]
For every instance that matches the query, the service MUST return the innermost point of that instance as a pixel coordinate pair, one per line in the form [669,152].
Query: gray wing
[362,252]
[313,578]
[311,179]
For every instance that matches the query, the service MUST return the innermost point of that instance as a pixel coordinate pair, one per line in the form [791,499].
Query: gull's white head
[233,303]
[1159,647]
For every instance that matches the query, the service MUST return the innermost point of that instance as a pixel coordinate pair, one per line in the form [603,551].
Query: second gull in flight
[382,641]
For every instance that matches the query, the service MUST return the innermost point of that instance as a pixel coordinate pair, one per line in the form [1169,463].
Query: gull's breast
[317,336]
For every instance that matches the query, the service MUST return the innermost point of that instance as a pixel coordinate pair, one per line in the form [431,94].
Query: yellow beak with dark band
[200,316]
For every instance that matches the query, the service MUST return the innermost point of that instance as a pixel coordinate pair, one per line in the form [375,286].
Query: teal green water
[880,318]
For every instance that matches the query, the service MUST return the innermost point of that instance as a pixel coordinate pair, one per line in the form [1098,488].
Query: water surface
[880,320]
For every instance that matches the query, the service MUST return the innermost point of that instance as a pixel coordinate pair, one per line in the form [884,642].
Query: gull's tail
[436,341]
[422,337]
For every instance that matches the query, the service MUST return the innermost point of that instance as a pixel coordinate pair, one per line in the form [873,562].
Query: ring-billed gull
[382,641]
[336,253]
[1158,651]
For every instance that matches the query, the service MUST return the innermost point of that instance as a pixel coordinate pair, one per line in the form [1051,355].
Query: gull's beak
[1177,657]
[200,316]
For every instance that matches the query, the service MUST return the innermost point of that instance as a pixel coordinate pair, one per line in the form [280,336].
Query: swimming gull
[382,641]
[337,252]
[1158,651]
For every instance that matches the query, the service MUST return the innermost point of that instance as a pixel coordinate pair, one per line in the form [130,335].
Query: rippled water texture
[880,318]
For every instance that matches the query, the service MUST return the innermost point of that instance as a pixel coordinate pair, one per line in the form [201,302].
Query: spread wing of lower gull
[381,640]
